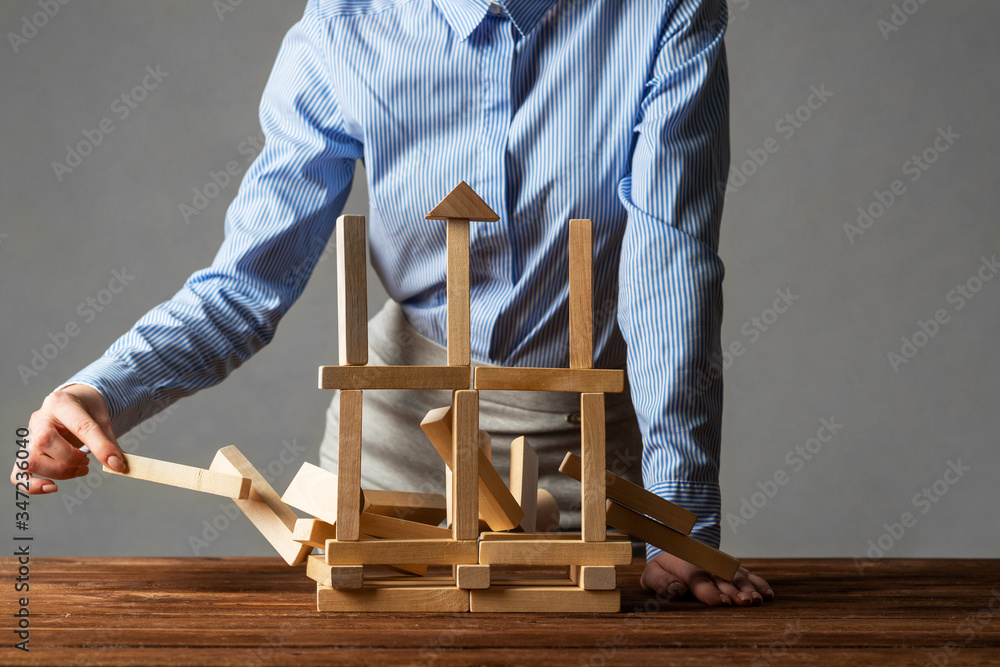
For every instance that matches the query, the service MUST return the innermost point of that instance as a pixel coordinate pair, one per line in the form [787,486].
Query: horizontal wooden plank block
[389,552]
[429,508]
[582,380]
[472,576]
[395,377]
[544,599]
[554,552]
[546,537]
[334,576]
[682,546]
[184,476]
[632,495]
[400,599]
[378,525]
[594,577]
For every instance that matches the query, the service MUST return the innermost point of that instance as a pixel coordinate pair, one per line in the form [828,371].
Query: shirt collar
[464,15]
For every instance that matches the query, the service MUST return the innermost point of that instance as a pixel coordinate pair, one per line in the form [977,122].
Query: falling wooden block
[592,522]
[632,495]
[313,532]
[524,481]
[349,495]
[393,598]
[465,464]
[546,512]
[314,490]
[685,548]
[352,291]
[580,380]
[426,508]
[184,477]
[378,525]
[272,517]
[554,552]
[390,552]
[334,576]
[565,599]
[471,577]
[395,377]
[591,577]
[581,294]
[497,506]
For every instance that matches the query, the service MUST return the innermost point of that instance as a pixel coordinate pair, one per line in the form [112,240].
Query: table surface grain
[258,611]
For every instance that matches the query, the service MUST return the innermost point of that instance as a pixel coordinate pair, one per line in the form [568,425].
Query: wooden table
[257,611]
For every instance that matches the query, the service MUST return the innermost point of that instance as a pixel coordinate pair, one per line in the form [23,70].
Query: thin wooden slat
[184,477]
[272,517]
[545,537]
[426,508]
[459,351]
[685,548]
[592,448]
[594,577]
[544,599]
[389,552]
[524,481]
[349,494]
[352,291]
[334,576]
[581,294]
[379,525]
[437,599]
[580,380]
[634,496]
[395,377]
[465,464]
[554,552]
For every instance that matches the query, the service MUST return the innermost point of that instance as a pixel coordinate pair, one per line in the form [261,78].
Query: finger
[761,585]
[704,588]
[47,467]
[735,592]
[83,426]
[49,442]
[656,578]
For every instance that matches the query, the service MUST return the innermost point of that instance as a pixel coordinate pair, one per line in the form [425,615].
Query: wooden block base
[391,597]
[563,599]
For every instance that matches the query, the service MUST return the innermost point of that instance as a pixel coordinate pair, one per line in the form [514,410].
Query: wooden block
[462,203]
[524,481]
[554,552]
[542,599]
[592,522]
[546,512]
[352,291]
[685,548]
[390,552]
[592,380]
[184,477]
[497,506]
[313,532]
[378,525]
[314,490]
[471,577]
[348,504]
[545,537]
[465,464]
[459,353]
[398,599]
[394,377]
[581,294]
[632,495]
[334,576]
[426,508]
[591,577]
[272,517]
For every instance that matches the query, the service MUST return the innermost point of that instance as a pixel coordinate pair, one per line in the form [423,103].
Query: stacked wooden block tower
[489,523]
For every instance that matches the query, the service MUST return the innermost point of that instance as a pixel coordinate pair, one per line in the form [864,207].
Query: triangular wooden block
[462,203]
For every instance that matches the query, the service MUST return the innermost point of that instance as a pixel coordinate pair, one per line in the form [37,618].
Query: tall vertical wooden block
[524,480]
[352,291]
[581,294]
[459,353]
[465,468]
[592,508]
[349,466]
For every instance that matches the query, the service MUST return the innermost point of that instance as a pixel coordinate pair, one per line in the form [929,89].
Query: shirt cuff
[129,401]
[703,499]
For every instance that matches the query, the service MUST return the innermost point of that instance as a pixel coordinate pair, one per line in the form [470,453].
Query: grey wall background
[853,296]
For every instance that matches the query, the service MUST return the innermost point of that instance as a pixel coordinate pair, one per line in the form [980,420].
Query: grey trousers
[396,455]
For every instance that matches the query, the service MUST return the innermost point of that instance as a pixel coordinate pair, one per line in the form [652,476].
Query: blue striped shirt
[614,110]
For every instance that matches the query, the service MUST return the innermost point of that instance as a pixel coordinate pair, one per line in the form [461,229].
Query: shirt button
[495,8]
